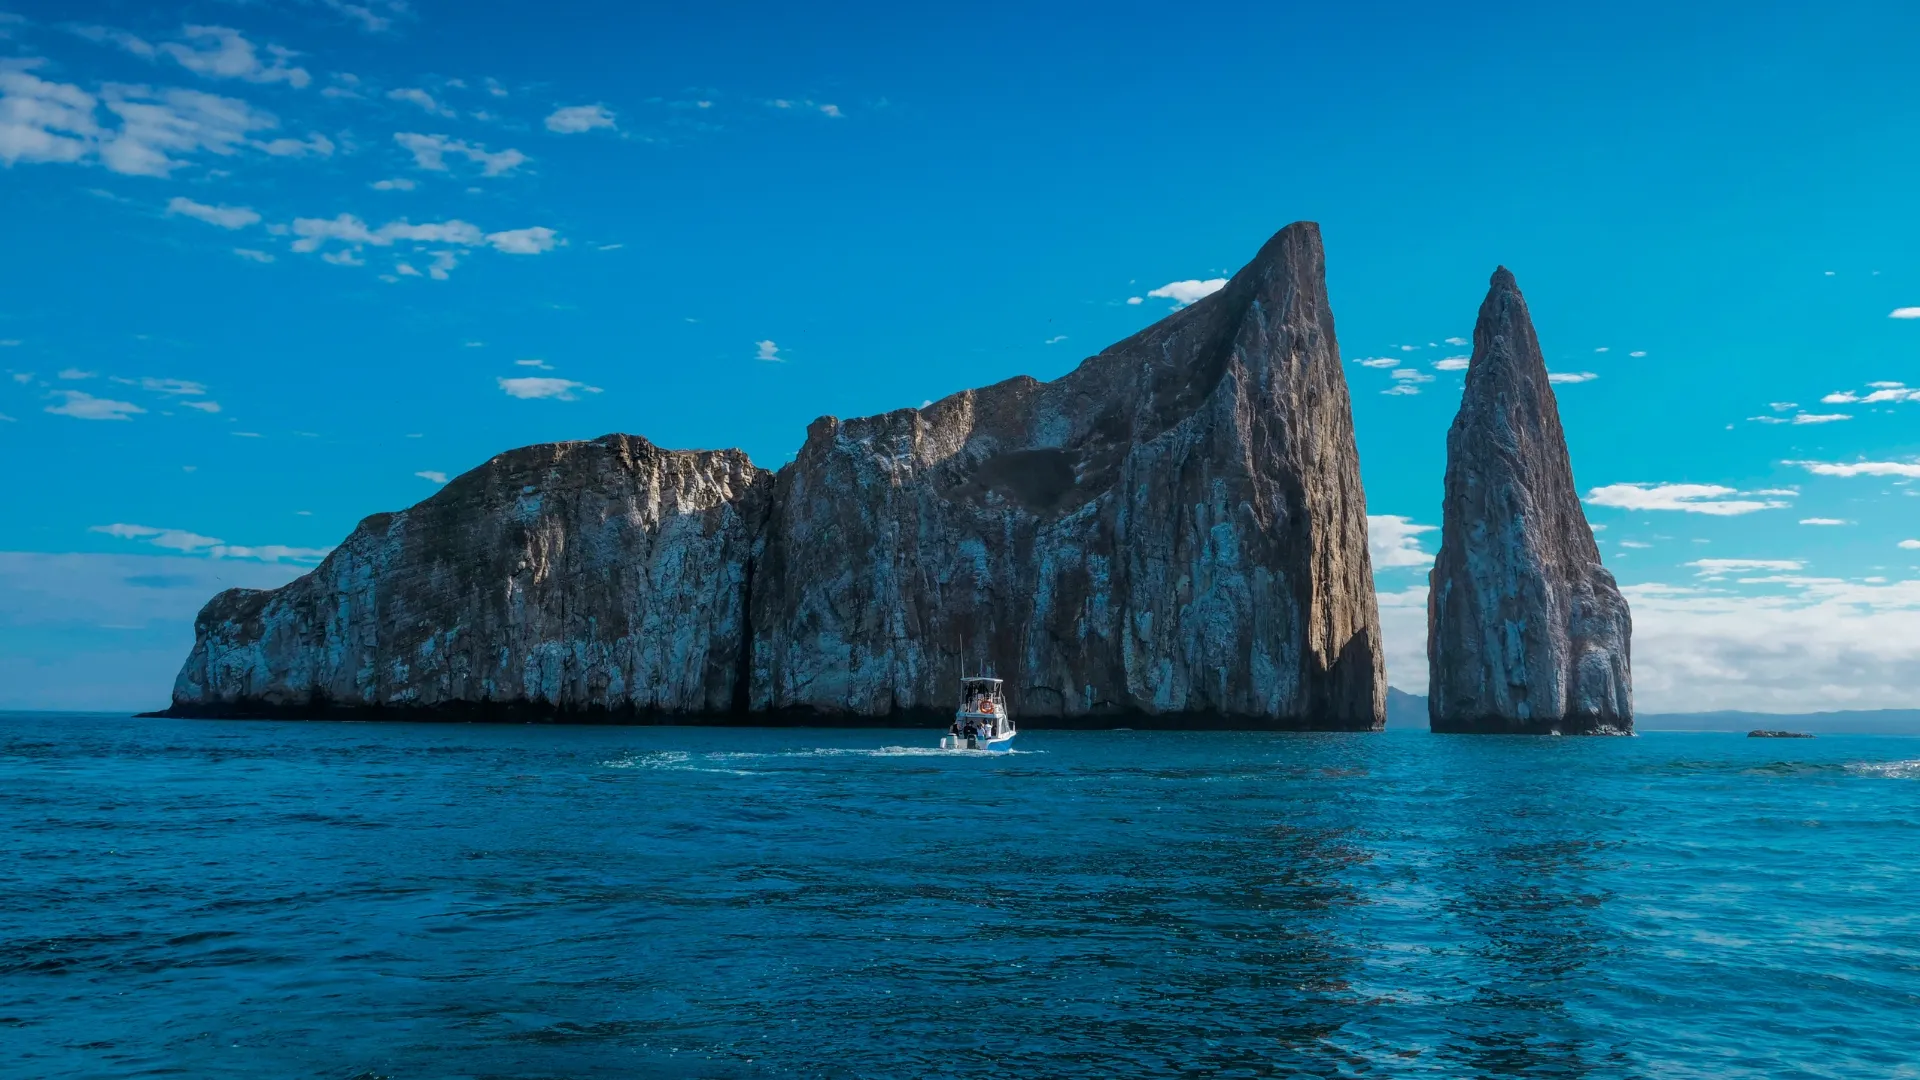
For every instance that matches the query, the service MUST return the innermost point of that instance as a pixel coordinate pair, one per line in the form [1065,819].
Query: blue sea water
[225,899]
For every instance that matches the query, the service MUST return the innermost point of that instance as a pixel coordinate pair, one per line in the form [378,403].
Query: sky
[272,266]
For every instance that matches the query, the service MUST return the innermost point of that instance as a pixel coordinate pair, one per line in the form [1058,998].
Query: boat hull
[1002,744]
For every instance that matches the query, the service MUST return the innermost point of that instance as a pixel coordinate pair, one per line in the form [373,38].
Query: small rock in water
[1764,733]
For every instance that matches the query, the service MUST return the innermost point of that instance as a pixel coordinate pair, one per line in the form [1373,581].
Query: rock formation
[603,575]
[1174,533]
[1526,631]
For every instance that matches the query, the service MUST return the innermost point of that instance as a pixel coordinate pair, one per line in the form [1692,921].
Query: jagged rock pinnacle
[1526,631]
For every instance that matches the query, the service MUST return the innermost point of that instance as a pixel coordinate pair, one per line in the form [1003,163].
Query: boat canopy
[979,680]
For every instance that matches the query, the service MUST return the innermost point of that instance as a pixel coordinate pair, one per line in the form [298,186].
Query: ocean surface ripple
[355,901]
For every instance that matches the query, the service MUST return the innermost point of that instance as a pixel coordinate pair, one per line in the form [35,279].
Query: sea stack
[1172,534]
[1526,632]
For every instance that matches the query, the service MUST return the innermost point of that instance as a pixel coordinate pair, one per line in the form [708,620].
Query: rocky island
[1527,632]
[1172,534]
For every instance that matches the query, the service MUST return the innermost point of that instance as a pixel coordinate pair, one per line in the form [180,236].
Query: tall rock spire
[1526,631]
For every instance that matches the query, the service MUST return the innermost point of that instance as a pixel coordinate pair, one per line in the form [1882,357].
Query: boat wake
[730,762]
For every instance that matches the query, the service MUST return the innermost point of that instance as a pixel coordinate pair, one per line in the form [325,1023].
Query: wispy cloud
[1056,339]
[533,387]
[226,217]
[767,350]
[531,241]
[1823,521]
[1709,567]
[430,152]
[432,475]
[413,95]
[1379,362]
[1453,363]
[1571,376]
[193,543]
[253,255]
[1910,469]
[84,406]
[397,184]
[1711,499]
[1904,313]
[1187,292]
[574,119]
[1801,418]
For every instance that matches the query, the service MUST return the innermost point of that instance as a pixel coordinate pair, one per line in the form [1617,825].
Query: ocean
[259,899]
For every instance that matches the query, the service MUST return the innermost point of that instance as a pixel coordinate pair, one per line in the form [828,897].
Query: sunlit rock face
[1526,631]
[587,576]
[1172,534]
[1174,529]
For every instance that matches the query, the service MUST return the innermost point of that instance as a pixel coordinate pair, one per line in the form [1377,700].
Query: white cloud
[1394,541]
[433,475]
[1709,499]
[541,386]
[1841,397]
[83,406]
[1603,348]
[251,254]
[1408,375]
[1817,644]
[1401,390]
[227,217]
[217,52]
[1637,353]
[1822,521]
[203,406]
[1380,362]
[1456,341]
[1710,567]
[1905,313]
[1136,300]
[539,364]
[1056,339]
[1183,293]
[314,233]
[1453,363]
[531,241]
[574,119]
[75,374]
[43,121]
[193,543]
[416,96]
[767,350]
[1634,544]
[157,128]
[397,184]
[173,387]
[1860,468]
[1910,545]
[830,110]
[430,152]
[370,20]
[314,145]
[222,53]
[1571,376]
[1819,418]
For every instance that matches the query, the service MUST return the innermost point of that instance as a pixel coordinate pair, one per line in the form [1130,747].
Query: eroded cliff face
[607,575]
[1172,533]
[1526,631]
[1176,528]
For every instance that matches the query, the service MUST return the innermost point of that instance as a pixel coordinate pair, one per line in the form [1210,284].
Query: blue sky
[273,266]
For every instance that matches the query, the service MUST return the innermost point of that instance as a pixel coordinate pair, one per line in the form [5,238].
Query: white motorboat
[982,721]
